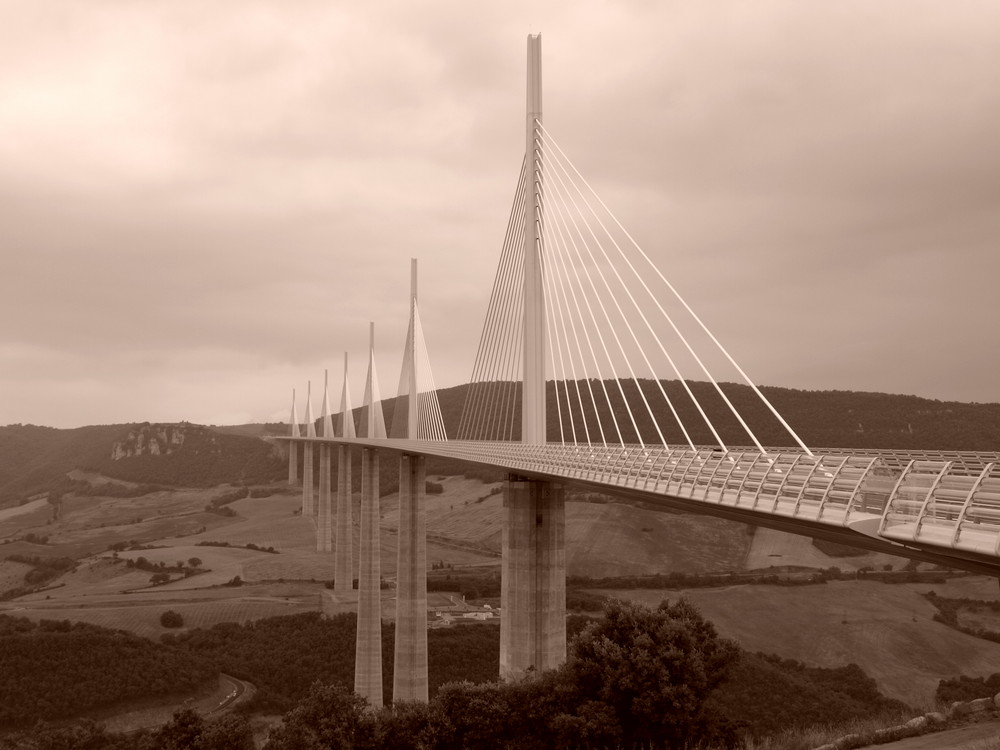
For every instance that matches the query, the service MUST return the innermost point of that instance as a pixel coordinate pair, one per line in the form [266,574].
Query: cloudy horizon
[203,204]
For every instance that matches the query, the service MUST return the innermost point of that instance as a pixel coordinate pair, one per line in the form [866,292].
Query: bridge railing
[829,488]
[939,502]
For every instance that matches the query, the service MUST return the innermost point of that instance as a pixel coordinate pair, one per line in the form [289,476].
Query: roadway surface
[969,737]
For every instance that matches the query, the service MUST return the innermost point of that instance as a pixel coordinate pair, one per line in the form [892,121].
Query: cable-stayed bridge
[583,376]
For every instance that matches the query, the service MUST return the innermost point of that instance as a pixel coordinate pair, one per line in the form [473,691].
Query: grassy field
[776,548]
[18,511]
[616,539]
[886,629]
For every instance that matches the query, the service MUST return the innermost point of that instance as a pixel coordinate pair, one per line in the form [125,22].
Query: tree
[182,732]
[404,726]
[83,736]
[643,676]
[171,619]
[194,562]
[231,732]
[330,717]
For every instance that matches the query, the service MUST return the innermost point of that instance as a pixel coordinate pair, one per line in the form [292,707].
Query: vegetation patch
[72,668]
[42,571]
[248,545]
[949,611]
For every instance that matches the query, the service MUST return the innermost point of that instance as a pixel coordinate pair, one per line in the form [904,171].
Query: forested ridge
[823,419]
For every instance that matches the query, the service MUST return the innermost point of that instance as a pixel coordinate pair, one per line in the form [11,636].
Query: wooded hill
[36,459]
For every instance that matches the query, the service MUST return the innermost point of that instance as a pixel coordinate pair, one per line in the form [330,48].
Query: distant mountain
[36,459]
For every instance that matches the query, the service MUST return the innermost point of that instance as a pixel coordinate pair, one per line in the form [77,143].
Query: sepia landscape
[687,432]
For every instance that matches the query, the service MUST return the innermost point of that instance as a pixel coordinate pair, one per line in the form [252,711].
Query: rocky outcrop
[153,440]
[928,722]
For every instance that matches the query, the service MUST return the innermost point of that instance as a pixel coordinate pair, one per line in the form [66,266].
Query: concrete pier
[308,451]
[368,650]
[533,583]
[410,662]
[324,525]
[293,463]
[343,570]
[324,508]
[293,447]
[308,479]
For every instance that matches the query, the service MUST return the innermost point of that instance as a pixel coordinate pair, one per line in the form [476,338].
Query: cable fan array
[430,424]
[492,408]
[615,327]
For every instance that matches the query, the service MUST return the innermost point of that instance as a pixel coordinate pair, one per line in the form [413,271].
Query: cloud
[203,204]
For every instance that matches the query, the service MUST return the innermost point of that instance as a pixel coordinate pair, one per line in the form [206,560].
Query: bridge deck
[944,502]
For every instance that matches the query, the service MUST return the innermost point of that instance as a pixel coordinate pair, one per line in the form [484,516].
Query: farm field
[886,629]
[7,514]
[271,521]
[88,524]
[18,521]
[143,617]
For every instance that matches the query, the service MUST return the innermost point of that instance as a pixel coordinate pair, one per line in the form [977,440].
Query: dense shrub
[964,688]
[171,619]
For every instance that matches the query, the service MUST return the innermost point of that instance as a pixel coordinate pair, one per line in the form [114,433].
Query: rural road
[970,737]
[238,689]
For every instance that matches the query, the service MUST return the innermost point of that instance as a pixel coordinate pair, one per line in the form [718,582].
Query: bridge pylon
[368,648]
[533,387]
[410,681]
[533,575]
[324,521]
[343,571]
[293,447]
[308,452]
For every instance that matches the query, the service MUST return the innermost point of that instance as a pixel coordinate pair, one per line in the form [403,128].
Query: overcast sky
[202,204]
